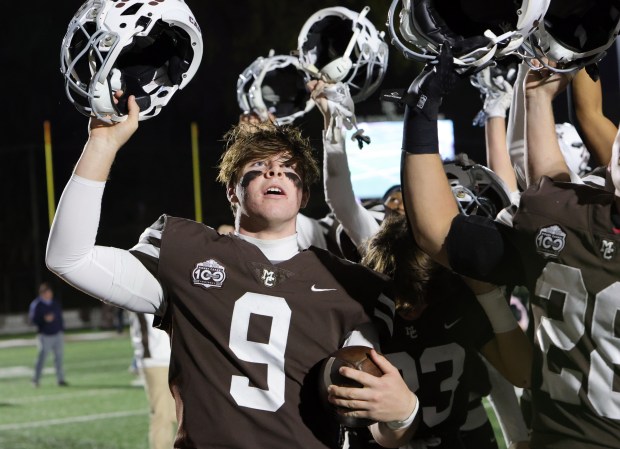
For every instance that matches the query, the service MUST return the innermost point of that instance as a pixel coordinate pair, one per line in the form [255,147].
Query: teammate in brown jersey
[439,331]
[250,315]
[562,246]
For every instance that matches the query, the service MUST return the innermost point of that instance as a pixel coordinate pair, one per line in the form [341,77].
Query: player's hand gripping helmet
[477,189]
[274,85]
[147,49]
[574,33]
[337,44]
[477,30]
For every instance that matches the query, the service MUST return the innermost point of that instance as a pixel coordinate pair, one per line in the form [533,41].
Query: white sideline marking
[57,397]
[75,419]
[25,371]
[19,342]
[15,371]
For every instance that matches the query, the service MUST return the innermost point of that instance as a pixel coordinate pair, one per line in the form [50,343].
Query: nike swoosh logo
[452,324]
[315,289]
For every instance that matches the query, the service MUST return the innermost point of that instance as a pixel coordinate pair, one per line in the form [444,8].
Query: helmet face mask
[485,30]
[477,190]
[336,44]
[146,50]
[274,85]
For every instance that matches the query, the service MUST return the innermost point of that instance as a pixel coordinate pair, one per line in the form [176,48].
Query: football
[357,357]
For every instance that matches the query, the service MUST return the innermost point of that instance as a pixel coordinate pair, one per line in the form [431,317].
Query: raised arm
[429,202]
[498,94]
[104,141]
[543,154]
[515,129]
[358,223]
[109,274]
[597,131]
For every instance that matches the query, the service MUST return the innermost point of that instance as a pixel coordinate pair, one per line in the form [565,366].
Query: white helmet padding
[477,30]
[147,49]
[337,44]
[274,85]
[575,33]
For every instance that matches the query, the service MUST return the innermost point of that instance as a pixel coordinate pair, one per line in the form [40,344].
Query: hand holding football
[356,357]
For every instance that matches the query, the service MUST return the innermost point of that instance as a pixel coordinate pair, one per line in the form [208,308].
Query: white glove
[497,93]
[342,111]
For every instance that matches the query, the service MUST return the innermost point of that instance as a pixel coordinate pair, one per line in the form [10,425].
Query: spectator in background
[46,313]
[152,354]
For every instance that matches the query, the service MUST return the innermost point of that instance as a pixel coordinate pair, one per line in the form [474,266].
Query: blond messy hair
[247,142]
[393,252]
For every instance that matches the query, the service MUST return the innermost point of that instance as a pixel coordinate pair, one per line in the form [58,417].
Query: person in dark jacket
[46,313]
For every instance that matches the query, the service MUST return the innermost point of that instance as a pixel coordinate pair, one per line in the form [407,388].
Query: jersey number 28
[564,383]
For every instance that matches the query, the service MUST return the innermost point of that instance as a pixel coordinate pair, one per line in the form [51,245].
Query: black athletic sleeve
[481,248]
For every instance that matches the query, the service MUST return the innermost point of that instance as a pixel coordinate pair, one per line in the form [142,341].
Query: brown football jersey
[248,336]
[571,265]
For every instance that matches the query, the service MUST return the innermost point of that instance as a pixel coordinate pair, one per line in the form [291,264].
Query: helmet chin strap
[337,69]
[102,101]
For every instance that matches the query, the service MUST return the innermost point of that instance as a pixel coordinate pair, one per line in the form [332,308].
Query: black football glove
[434,82]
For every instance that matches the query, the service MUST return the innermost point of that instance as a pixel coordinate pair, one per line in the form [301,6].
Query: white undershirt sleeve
[112,275]
[358,223]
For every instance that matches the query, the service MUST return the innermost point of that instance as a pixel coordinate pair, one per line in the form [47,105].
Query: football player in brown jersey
[562,246]
[250,314]
[440,329]
[361,224]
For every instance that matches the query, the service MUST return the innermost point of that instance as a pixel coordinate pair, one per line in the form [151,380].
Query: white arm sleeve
[358,223]
[110,274]
[515,131]
[310,232]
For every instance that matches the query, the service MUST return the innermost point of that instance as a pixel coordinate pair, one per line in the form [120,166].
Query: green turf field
[100,409]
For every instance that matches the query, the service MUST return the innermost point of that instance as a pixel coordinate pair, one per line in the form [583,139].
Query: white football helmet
[274,85]
[486,30]
[337,44]
[477,189]
[574,33]
[147,49]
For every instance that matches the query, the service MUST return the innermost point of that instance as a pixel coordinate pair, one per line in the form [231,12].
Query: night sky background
[153,172]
